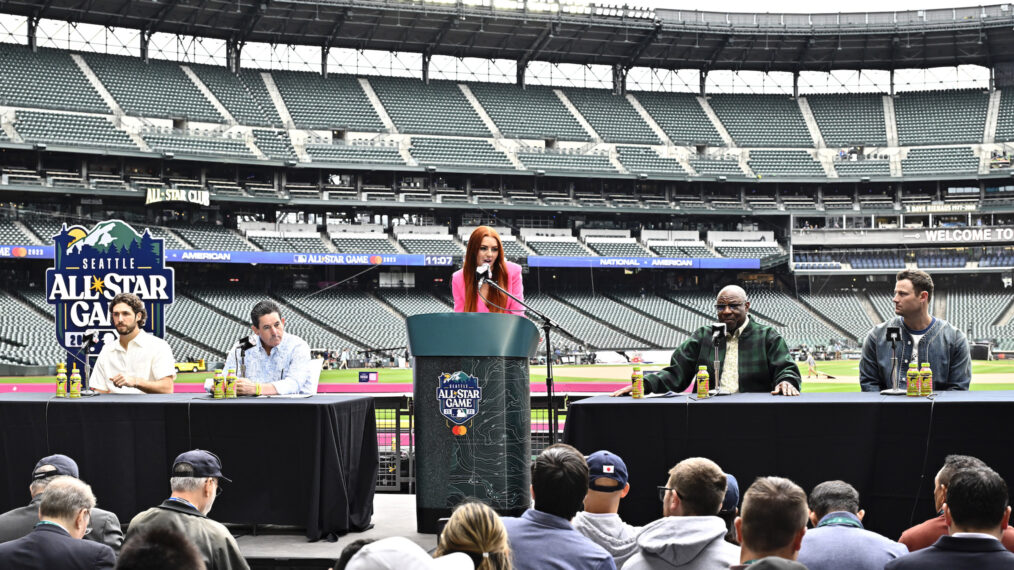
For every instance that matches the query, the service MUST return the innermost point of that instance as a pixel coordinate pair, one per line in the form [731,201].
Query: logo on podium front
[458,395]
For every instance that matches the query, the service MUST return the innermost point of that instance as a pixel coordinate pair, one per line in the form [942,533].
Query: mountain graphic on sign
[105,235]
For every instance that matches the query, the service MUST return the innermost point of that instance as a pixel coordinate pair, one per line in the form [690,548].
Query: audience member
[543,537]
[195,481]
[64,514]
[730,508]
[838,539]
[925,534]
[772,525]
[104,527]
[350,550]
[476,530]
[689,534]
[599,521]
[976,510]
[399,553]
[159,549]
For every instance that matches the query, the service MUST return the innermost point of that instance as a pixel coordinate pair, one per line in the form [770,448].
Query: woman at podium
[484,258]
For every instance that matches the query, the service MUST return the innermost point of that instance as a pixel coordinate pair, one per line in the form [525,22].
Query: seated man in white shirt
[139,362]
[273,361]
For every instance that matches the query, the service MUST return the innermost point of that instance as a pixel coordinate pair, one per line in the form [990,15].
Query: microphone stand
[547,325]
[895,390]
[717,341]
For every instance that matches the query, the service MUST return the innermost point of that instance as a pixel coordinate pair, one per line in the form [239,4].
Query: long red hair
[496,298]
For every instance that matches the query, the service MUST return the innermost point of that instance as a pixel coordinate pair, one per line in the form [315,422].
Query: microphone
[482,271]
[717,330]
[244,343]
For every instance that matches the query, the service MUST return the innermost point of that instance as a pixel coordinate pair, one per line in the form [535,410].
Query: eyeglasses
[218,488]
[731,306]
[661,492]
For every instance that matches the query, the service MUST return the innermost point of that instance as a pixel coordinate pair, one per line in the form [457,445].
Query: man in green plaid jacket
[755,358]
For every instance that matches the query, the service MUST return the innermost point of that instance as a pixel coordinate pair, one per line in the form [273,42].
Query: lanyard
[841,520]
[184,501]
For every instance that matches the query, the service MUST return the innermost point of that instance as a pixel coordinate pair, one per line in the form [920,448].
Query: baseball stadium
[336,157]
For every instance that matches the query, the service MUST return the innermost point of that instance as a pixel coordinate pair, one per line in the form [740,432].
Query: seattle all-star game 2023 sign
[93,266]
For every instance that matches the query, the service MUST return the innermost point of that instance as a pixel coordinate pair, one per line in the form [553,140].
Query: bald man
[755,357]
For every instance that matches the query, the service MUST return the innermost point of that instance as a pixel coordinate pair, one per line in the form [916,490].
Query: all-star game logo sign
[458,396]
[92,267]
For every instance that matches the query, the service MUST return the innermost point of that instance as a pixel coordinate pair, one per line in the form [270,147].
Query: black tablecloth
[889,448]
[304,462]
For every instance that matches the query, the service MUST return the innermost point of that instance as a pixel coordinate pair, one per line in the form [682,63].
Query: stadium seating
[315,102]
[274,144]
[876,260]
[46,79]
[612,116]
[75,130]
[800,326]
[846,120]
[586,329]
[762,120]
[842,308]
[569,248]
[45,227]
[997,257]
[354,314]
[938,259]
[195,320]
[11,234]
[934,117]
[681,117]
[716,167]
[233,94]
[170,239]
[458,152]
[782,163]
[642,160]
[617,249]
[928,161]
[154,89]
[363,154]
[513,250]
[975,309]
[206,236]
[360,243]
[622,317]
[411,302]
[530,113]
[1005,118]
[437,108]
[750,251]
[858,168]
[27,337]
[557,162]
[664,310]
[430,245]
[189,144]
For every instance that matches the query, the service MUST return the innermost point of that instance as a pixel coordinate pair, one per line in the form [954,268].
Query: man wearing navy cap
[104,527]
[599,521]
[730,508]
[195,481]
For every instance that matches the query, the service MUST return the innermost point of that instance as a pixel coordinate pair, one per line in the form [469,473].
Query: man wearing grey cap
[104,527]
[195,480]
[599,521]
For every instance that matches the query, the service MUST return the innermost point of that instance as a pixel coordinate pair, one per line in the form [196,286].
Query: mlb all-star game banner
[645,262]
[91,267]
[265,257]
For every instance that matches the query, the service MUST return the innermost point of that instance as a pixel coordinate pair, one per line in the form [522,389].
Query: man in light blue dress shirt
[271,361]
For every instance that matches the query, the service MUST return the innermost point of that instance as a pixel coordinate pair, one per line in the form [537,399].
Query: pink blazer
[514,286]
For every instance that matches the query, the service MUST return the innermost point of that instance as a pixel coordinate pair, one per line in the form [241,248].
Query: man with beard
[139,362]
[755,357]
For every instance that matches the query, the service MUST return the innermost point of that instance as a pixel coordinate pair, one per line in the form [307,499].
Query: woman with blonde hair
[476,530]
[485,250]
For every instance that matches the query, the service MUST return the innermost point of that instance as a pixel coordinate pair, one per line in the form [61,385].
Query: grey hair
[187,484]
[64,497]
[39,485]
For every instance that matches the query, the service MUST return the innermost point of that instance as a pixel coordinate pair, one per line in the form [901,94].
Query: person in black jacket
[977,511]
[55,543]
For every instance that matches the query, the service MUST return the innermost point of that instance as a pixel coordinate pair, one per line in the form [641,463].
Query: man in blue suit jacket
[838,540]
[55,543]
[977,511]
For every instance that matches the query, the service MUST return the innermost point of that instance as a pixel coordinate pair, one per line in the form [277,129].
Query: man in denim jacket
[923,339]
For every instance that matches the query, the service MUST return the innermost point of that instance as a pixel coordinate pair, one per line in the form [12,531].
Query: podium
[472,412]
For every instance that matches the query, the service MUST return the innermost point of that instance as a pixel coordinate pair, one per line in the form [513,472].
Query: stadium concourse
[347,198]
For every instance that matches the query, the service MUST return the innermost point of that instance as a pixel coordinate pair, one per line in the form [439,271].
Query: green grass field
[993,375]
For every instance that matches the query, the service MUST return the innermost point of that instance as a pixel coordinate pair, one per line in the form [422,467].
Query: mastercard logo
[376,259]
[19,252]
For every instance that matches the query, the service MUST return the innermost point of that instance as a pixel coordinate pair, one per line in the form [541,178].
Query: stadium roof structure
[561,31]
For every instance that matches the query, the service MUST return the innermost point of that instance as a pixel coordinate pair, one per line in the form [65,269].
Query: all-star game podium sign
[93,266]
